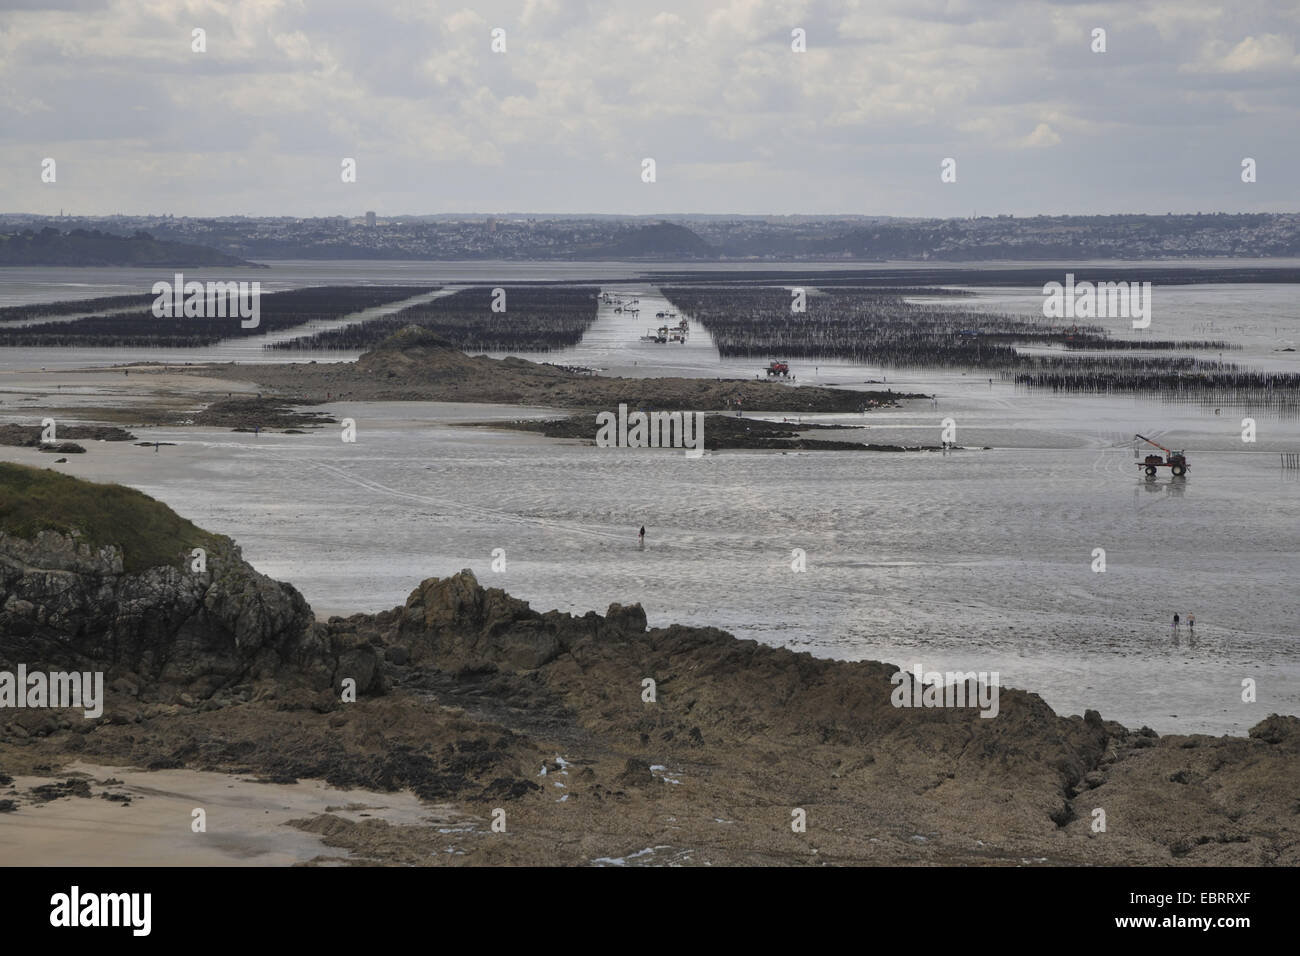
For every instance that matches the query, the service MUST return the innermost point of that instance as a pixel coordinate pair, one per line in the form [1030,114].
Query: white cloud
[412,89]
[1043,135]
[1268,51]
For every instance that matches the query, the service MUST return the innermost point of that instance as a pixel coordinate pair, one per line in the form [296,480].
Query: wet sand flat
[246,820]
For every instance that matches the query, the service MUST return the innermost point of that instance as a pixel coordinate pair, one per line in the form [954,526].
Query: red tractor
[1175,461]
[778,368]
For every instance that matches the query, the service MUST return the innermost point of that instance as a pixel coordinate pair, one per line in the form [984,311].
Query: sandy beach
[130,817]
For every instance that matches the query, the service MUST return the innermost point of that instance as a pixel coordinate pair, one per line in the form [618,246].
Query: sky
[561,121]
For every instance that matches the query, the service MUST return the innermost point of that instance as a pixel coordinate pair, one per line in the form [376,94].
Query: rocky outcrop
[709,685]
[1028,775]
[64,605]
[415,364]
[31,436]
[455,623]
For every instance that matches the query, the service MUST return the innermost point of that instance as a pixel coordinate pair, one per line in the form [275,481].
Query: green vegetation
[149,533]
[660,241]
[82,247]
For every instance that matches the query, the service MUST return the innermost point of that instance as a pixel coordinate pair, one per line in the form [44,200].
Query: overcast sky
[735,120]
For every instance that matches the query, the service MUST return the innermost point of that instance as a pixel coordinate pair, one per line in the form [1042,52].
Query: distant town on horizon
[27,239]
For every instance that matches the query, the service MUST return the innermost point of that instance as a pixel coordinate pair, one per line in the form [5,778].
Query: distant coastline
[704,239]
[80,247]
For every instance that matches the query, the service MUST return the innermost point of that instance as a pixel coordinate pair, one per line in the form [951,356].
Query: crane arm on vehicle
[1156,443]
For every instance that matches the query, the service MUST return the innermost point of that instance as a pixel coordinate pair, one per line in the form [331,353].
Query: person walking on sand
[1191,622]
[1175,621]
[641,536]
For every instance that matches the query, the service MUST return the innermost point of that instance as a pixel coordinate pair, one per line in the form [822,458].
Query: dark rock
[504,788]
[68,606]
[463,624]
[1276,729]
[36,723]
[67,788]
[629,620]
[636,773]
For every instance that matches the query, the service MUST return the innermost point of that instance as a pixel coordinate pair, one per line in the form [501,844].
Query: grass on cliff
[149,533]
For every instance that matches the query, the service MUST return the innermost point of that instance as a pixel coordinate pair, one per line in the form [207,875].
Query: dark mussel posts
[534,319]
[142,329]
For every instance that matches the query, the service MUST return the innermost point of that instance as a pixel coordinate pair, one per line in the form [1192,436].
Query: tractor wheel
[1177,470]
[1151,471]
